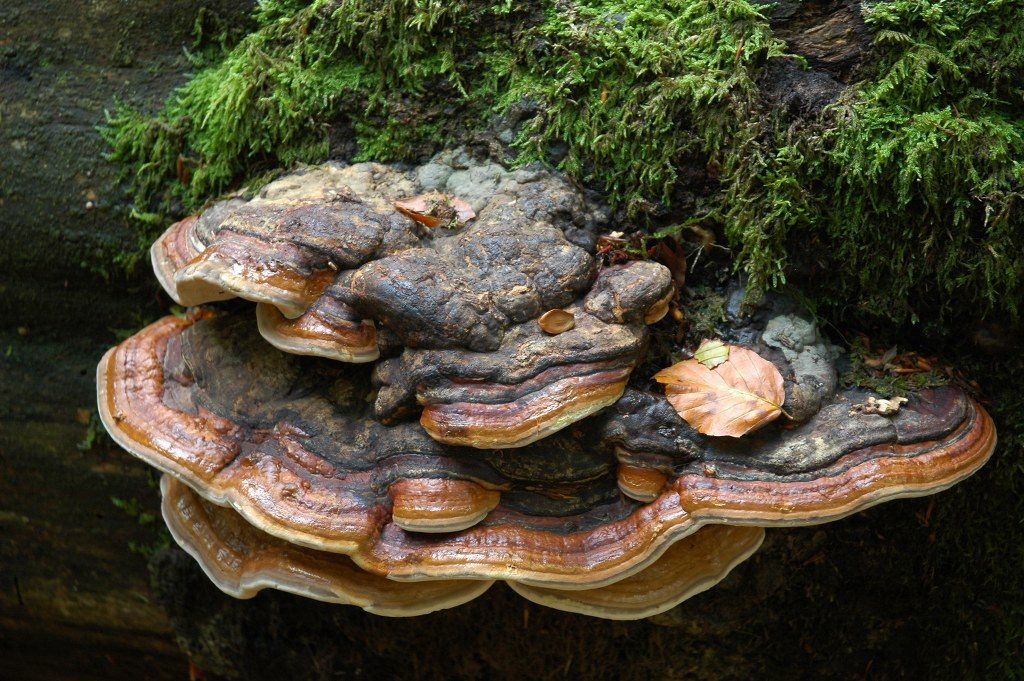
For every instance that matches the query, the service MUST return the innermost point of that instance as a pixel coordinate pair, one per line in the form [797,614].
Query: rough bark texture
[75,602]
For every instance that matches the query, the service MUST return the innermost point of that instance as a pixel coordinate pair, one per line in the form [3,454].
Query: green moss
[95,434]
[636,88]
[136,509]
[887,383]
[705,311]
[902,202]
[632,88]
[270,100]
[908,193]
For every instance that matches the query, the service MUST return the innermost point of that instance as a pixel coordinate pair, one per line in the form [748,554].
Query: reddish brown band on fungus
[856,481]
[130,385]
[440,505]
[640,483]
[243,561]
[532,386]
[201,449]
[313,334]
[530,418]
[171,252]
[691,565]
[204,451]
[241,266]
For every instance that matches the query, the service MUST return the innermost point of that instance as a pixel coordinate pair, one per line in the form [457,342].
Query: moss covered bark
[904,187]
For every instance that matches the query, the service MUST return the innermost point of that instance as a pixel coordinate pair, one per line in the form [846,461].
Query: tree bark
[75,600]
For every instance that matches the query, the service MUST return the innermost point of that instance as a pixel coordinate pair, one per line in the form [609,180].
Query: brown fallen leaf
[613,249]
[436,209]
[740,395]
[671,256]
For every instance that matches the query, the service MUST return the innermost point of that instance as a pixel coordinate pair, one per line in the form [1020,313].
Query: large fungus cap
[290,443]
[242,561]
[503,435]
[328,267]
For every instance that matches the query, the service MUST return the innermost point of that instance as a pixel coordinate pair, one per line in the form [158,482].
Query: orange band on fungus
[171,252]
[527,419]
[642,484]
[243,561]
[314,333]
[242,266]
[295,498]
[692,565]
[439,505]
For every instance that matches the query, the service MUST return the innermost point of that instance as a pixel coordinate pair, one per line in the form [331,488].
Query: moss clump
[906,197]
[271,99]
[902,201]
[636,88]
[632,89]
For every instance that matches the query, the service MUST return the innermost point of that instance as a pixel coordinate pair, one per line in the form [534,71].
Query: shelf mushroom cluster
[397,425]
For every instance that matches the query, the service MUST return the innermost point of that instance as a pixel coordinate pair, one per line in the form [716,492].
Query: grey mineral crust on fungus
[811,359]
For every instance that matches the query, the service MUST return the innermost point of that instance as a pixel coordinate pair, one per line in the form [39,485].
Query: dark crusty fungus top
[328,266]
[442,391]
[433,288]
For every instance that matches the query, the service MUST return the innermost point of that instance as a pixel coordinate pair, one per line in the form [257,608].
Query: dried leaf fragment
[672,257]
[613,249]
[880,407]
[557,321]
[740,395]
[436,210]
[712,353]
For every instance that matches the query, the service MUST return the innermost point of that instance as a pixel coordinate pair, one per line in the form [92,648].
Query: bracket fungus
[480,446]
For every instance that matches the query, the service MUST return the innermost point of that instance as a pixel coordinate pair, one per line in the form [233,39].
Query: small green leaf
[712,353]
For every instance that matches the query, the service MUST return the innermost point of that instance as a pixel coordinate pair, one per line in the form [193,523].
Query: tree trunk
[75,598]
